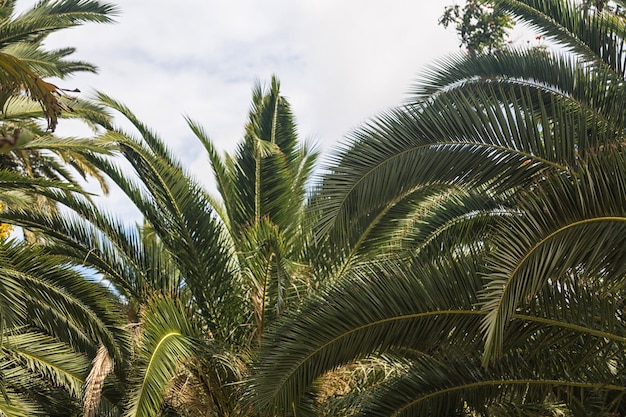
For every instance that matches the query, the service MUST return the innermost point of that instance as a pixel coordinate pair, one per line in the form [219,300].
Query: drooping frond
[543,244]
[15,77]
[49,16]
[41,355]
[47,63]
[379,309]
[598,38]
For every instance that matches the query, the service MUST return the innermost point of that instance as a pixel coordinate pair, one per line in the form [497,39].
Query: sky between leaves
[339,62]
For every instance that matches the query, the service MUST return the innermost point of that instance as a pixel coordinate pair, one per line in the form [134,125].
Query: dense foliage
[478,232]
[463,255]
[52,319]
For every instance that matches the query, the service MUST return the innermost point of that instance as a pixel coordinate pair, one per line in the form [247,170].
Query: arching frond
[166,341]
[542,245]
[379,309]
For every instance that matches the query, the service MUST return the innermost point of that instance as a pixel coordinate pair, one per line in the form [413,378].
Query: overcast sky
[339,63]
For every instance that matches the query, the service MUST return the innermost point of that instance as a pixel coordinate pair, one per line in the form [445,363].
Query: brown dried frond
[102,366]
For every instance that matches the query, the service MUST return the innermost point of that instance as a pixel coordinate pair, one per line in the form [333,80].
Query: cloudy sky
[339,63]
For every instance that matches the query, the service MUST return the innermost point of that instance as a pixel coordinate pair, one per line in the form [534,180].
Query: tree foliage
[476,235]
[202,278]
[481,26]
[463,255]
[23,60]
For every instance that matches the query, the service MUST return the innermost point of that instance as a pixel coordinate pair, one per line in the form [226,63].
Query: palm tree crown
[477,231]
[203,277]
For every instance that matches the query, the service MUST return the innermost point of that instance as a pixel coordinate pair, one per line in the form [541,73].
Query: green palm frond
[97,241]
[49,16]
[439,143]
[23,61]
[44,356]
[187,249]
[453,219]
[267,163]
[11,181]
[461,387]
[48,63]
[22,110]
[14,405]
[166,341]
[50,291]
[598,38]
[223,177]
[180,213]
[272,279]
[379,309]
[72,153]
[543,246]
[556,74]
[51,317]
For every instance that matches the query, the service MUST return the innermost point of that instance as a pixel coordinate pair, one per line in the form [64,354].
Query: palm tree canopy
[200,279]
[454,225]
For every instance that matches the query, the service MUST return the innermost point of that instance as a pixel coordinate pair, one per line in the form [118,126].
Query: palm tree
[241,268]
[24,62]
[476,240]
[202,278]
[52,319]
[27,147]
[25,97]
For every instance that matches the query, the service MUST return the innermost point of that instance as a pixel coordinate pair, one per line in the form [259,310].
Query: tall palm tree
[476,237]
[202,278]
[52,319]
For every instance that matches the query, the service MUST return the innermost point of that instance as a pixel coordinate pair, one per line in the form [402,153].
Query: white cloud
[339,62]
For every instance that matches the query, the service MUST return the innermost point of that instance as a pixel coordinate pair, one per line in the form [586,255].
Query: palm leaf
[379,309]
[42,355]
[597,37]
[166,341]
[49,16]
[542,245]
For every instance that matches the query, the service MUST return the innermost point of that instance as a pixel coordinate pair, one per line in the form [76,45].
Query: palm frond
[223,177]
[542,245]
[166,341]
[437,144]
[15,76]
[596,37]
[379,309]
[47,63]
[266,164]
[43,356]
[49,16]
[559,74]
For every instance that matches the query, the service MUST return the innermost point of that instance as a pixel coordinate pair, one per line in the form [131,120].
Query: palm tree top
[24,62]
